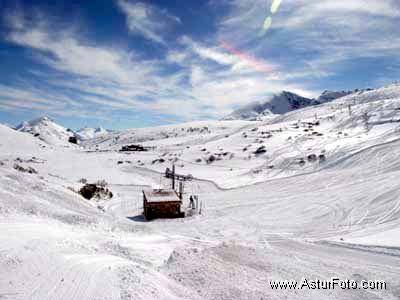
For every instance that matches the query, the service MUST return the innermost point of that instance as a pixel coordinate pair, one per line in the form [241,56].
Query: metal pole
[173,177]
[180,190]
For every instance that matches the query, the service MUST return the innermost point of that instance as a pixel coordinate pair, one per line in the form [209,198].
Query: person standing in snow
[191,202]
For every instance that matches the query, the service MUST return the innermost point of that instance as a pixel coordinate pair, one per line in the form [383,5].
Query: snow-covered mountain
[332,95]
[276,104]
[88,133]
[47,130]
[283,103]
[52,133]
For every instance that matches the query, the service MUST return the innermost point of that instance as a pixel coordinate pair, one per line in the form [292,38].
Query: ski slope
[335,217]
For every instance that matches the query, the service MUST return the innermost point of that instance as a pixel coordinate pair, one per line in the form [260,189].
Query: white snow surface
[266,215]
[88,133]
[48,131]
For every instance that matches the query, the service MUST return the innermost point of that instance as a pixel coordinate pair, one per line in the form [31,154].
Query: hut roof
[161,196]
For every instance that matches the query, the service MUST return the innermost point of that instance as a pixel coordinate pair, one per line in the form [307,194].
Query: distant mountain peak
[100,129]
[47,130]
[333,95]
[280,103]
[88,133]
[33,122]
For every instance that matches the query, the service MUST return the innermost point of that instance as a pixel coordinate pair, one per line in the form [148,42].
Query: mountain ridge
[283,102]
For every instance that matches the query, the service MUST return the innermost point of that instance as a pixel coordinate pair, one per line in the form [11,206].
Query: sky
[124,63]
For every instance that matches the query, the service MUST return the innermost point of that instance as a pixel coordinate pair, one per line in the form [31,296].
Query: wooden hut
[161,204]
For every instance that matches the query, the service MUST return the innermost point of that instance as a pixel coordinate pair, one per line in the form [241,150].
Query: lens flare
[268,20]
[267,24]
[275,6]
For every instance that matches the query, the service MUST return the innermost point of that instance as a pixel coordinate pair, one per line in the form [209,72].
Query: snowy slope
[13,142]
[173,135]
[55,245]
[47,130]
[244,152]
[332,95]
[88,133]
[266,216]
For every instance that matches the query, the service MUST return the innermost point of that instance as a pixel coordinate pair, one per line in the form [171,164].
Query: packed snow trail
[246,237]
[318,220]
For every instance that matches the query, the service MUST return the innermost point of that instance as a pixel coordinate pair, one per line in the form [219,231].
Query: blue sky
[122,64]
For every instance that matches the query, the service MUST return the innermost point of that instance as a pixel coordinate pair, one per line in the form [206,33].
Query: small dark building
[161,204]
[133,148]
[73,140]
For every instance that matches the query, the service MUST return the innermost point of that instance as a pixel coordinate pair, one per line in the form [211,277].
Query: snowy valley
[292,189]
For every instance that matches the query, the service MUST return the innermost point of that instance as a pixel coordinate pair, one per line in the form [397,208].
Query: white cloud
[317,37]
[146,20]
[215,55]
[209,82]
[27,97]
[70,55]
